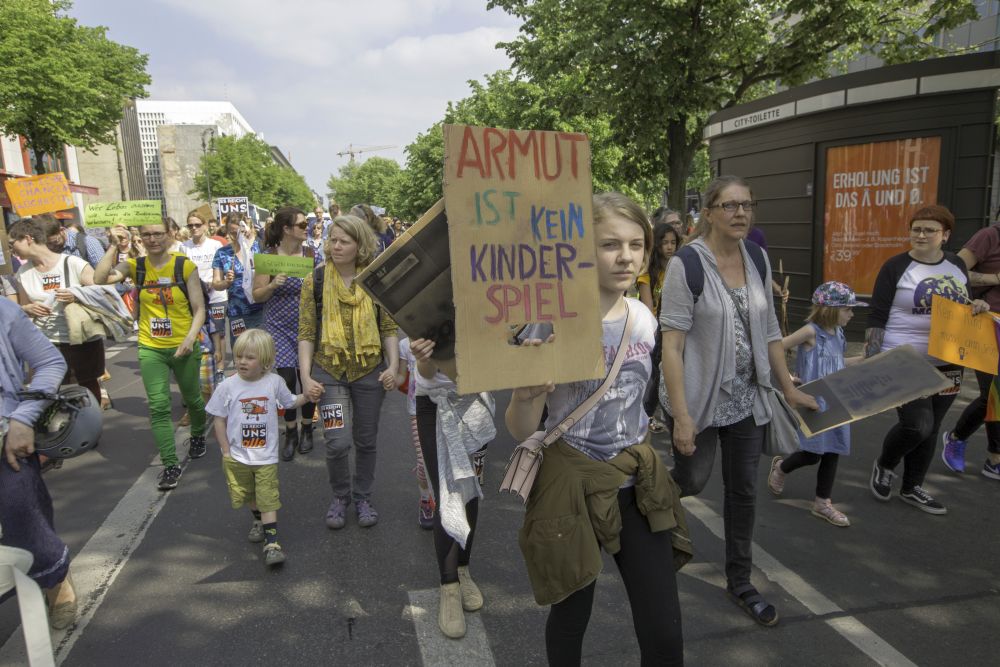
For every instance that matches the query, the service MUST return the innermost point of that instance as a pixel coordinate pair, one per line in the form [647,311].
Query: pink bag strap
[592,400]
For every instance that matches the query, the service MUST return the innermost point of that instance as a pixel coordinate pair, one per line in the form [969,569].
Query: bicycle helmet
[70,425]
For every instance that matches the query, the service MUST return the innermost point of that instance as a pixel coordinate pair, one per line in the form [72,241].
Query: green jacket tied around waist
[573,512]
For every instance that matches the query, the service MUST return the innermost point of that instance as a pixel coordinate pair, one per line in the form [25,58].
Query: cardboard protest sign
[411,280]
[520,230]
[240,205]
[205,211]
[960,338]
[39,194]
[272,265]
[6,265]
[129,213]
[884,381]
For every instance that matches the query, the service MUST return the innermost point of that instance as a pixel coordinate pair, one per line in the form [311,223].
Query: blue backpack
[695,272]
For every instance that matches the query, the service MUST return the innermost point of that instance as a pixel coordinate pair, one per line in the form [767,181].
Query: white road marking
[848,627]
[436,650]
[102,559]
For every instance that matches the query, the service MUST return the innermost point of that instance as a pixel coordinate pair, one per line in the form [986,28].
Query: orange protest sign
[960,338]
[44,193]
[871,192]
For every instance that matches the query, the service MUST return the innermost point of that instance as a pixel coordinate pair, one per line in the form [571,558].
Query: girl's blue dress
[825,357]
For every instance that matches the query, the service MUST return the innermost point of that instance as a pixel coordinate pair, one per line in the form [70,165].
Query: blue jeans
[741,444]
[27,521]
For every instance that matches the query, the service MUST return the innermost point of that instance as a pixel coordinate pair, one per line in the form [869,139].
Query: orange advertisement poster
[871,192]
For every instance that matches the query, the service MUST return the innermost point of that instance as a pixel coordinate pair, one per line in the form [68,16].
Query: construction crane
[352,151]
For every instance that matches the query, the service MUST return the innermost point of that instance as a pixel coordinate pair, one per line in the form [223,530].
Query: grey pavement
[898,586]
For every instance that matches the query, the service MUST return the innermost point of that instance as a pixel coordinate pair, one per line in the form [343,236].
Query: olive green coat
[572,513]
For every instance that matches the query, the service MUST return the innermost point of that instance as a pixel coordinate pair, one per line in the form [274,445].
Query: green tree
[502,100]
[244,168]
[62,83]
[658,68]
[377,181]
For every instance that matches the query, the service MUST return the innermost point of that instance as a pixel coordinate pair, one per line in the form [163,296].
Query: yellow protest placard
[129,213]
[272,265]
[520,230]
[960,338]
[39,194]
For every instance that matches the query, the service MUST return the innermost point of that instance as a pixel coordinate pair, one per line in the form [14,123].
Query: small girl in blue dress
[821,346]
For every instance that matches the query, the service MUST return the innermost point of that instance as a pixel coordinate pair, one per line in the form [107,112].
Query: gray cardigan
[710,342]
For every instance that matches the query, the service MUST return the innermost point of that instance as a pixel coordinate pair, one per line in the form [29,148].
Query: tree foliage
[658,68]
[244,168]
[376,181]
[502,100]
[60,82]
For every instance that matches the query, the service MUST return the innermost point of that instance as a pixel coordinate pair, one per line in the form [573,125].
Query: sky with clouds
[313,76]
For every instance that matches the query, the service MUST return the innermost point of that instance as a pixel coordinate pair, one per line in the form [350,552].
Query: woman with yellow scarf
[349,348]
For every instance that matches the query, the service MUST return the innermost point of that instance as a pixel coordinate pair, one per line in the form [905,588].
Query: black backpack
[178,281]
[695,272]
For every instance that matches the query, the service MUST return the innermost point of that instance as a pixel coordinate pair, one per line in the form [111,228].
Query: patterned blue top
[825,357]
[226,260]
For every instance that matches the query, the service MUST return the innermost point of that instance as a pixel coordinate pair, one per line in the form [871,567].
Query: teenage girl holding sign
[607,448]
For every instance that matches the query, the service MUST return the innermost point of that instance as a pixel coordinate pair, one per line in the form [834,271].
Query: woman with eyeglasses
[42,287]
[286,237]
[170,319]
[228,268]
[901,315]
[721,349]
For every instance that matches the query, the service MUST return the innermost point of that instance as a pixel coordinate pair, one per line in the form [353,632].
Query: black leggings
[914,438]
[292,381]
[646,566]
[450,556]
[824,476]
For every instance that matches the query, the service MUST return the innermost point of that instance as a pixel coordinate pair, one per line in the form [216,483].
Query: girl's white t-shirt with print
[251,412]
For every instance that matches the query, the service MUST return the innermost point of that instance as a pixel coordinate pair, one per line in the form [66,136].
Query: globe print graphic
[942,285]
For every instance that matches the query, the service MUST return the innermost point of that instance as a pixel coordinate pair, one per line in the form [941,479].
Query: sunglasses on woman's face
[301,225]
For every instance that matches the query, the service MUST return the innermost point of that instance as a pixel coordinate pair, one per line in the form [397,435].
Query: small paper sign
[272,265]
[39,194]
[239,205]
[959,337]
[128,213]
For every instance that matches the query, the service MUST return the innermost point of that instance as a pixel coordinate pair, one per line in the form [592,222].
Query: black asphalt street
[897,587]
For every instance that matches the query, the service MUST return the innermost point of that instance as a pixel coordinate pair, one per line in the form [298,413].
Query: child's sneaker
[953,453]
[426,518]
[824,509]
[991,470]
[273,555]
[776,478]
[256,534]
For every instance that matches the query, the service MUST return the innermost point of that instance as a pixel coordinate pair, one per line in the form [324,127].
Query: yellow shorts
[252,484]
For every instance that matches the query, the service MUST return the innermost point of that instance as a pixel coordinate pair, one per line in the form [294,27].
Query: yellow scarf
[366,342]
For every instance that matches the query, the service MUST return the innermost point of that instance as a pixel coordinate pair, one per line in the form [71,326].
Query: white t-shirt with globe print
[901,299]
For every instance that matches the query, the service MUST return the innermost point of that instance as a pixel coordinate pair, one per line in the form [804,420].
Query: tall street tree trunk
[678,163]
[39,160]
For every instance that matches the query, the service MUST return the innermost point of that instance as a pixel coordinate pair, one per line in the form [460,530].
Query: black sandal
[754,604]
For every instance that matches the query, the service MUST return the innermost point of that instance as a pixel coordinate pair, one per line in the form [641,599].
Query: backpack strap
[140,282]
[694,272]
[179,278]
[66,271]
